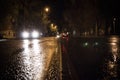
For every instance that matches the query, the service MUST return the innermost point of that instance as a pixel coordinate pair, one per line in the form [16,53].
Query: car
[31,34]
[65,36]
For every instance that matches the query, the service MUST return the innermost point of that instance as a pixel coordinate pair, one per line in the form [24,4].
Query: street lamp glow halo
[47,9]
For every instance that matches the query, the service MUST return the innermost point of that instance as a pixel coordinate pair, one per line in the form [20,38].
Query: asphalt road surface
[30,59]
[91,58]
[81,58]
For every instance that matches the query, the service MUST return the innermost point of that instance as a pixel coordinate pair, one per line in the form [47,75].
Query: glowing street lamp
[47,9]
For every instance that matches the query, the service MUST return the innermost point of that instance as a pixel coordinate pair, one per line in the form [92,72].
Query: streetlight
[47,9]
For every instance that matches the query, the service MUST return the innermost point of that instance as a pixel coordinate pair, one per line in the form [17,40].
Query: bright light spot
[25,35]
[113,44]
[115,58]
[32,61]
[96,43]
[26,41]
[25,46]
[58,36]
[36,47]
[111,65]
[86,44]
[67,33]
[35,34]
[114,39]
[47,9]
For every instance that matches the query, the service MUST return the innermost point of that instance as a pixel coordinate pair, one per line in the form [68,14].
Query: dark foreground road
[30,59]
[74,59]
[91,58]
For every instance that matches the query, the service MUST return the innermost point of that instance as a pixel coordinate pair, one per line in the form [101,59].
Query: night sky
[106,8]
[110,7]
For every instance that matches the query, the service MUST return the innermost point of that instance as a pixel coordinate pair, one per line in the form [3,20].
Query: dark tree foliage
[23,14]
[84,15]
[81,14]
[109,9]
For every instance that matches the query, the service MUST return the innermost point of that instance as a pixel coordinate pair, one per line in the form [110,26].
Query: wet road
[30,59]
[74,59]
[87,58]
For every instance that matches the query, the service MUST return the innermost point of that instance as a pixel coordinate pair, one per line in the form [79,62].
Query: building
[8,33]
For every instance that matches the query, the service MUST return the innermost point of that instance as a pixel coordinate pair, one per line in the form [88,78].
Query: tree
[81,15]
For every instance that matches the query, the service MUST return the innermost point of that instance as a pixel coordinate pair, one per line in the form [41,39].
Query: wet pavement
[29,59]
[91,58]
[82,58]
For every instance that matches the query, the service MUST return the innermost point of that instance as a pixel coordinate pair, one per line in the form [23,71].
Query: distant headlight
[57,36]
[35,34]
[25,34]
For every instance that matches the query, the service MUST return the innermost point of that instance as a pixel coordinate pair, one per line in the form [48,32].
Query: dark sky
[2,9]
[106,8]
[57,7]
[110,7]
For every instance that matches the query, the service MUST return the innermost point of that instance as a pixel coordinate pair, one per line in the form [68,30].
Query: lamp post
[45,19]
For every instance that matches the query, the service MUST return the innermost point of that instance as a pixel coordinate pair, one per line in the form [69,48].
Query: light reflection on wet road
[82,59]
[26,59]
[91,58]
[112,62]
